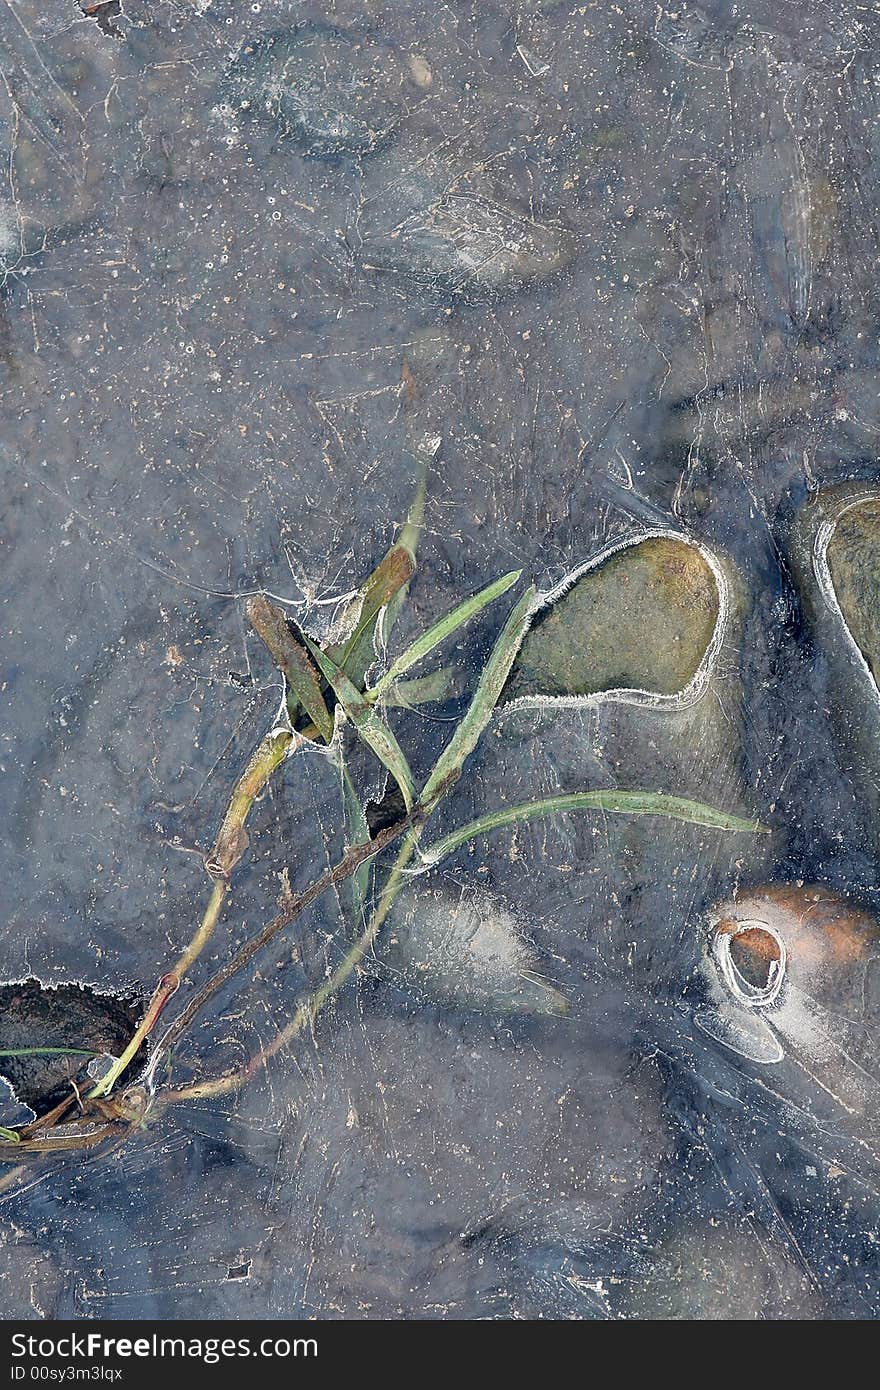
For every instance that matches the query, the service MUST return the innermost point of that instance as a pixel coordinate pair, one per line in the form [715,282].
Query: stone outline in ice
[747,1034]
[784,1019]
[696,687]
[13,1111]
[744,992]
[731,1020]
[822,573]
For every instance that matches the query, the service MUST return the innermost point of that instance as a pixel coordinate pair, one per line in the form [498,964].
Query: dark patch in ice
[104,13]
[33,1015]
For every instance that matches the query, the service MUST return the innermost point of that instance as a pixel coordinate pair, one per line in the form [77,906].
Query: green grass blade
[623,802]
[438,633]
[9,1136]
[358,832]
[373,730]
[411,531]
[303,685]
[48,1052]
[489,687]
[412,527]
[357,653]
[437,685]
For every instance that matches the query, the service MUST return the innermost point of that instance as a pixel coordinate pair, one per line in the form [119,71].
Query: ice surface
[622,261]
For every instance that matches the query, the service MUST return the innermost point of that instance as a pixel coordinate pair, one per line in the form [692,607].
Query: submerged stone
[642,619]
[834,550]
[782,933]
[71,1015]
[793,975]
[336,93]
[467,948]
[463,244]
[853,557]
[720,1271]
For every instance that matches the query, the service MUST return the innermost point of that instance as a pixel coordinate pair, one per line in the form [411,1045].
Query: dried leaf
[357,653]
[303,684]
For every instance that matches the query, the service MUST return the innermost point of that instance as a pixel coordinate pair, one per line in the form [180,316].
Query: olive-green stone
[642,619]
[853,557]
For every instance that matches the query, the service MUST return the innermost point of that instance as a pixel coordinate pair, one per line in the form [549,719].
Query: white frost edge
[822,573]
[746,994]
[645,699]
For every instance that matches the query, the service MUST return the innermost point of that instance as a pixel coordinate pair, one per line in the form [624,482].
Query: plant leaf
[358,833]
[439,631]
[48,1052]
[357,653]
[634,803]
[437,685]
[489,687]
[373,730]
[9,1136]
[411,529]
[303,685]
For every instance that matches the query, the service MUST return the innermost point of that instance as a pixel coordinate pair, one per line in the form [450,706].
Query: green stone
[853,557]
[642,619]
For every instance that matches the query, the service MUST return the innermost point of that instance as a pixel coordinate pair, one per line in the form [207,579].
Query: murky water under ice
[621,261]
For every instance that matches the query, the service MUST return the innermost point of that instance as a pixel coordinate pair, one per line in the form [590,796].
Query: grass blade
[412,527]
[303,685]
[358,832]
[373,730]
[423,690]
[357,653]
[489,687]
[438,633]
[48,1052]
[627,803]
